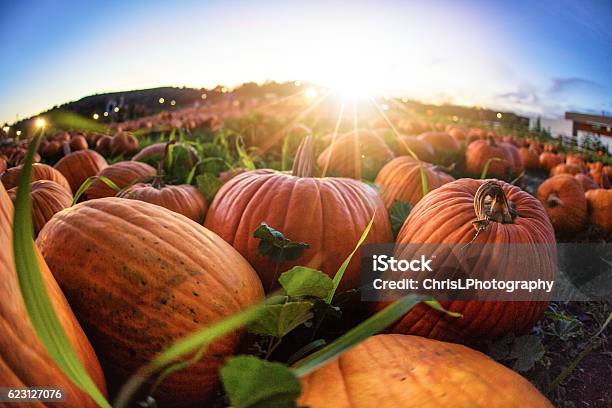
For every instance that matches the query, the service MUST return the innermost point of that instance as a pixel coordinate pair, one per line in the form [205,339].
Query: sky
[530,57]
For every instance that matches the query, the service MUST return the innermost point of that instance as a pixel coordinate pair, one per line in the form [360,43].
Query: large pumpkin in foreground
[389,371]
[329,214]
[24,361]
[446,216]
[139,277]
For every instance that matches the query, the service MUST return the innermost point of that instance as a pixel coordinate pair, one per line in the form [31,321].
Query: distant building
[578,126]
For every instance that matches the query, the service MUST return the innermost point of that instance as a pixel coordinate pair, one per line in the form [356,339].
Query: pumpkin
[549,160]
[390,370]
[78,143]
[39,172]
[227,175]
[440,141]
[23,358]
[458,134]
[530,157]
[329,214]
[565,168]
[79,166]
[123,174]
[423,150]
[183,199]
[139,277]
[564,201]
[586,181]
[481,152]
[400,179]
[599,202]
[123,144]
[359,154]
[601,174]
[152,154]
[446,216]
[48,198]
[103,145]
[3,165]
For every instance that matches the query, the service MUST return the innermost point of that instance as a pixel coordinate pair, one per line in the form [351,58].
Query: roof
[590,119]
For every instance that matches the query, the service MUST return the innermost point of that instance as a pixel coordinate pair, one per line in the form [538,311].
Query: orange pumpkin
[599,202]
[48,198]
[423,150]
[329,214]
[400,179]
[140,277]
[183,199]
[440,141]
[123,144]
[359,154]
[79,166]
[481,152]
[78,143]
[103,145]
[565,168]
[549,160]
[530,157]
[23,358]
[586,181]
[389,371]
[563,199]
[39,172]
[123,174]
[446,216]
[516,163]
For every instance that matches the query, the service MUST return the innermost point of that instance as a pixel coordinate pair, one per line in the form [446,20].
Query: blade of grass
[340,273]
[424,183]
[87,183]
[485,169]
[36,298]
[356,335]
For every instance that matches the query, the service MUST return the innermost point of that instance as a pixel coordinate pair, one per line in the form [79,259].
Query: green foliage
[398,213]
[278,320]
[523,352]
[303,281]
[274,245]
[208,185]
[87,183]
[35,296]
[254,383]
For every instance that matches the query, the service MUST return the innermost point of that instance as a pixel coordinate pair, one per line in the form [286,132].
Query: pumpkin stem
[303,163]
[491,204]
[553,200]
[158,180]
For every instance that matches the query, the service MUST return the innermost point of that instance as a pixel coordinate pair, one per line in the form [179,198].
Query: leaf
[485,169]
[434,304]
[274,245]
[278,320]
[254,383]
[208,185]
[246,160]
[357,334]
[527,350]
[340,273]
[35,296]
[303,281]
[398,213]
[87,183]
[424,183]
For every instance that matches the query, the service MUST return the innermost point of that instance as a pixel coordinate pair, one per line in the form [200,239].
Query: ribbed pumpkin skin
[586,181]
[530,157]
[183,199]
[78,166]
[140,277]
[39,172]
[423,150]
[48,198]
[330,214]
[445,216]
[24,361]
[480,152]
[122,174]
[357,155]
[570,213]
[517,166]
[599,203]
[440,141]
[390,371]
[400,179]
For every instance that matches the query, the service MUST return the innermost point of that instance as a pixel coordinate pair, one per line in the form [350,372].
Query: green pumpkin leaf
[35,296]
[526,350]
[303,281]
[398,213]
[208,185]
[274,245]
[278,320]
[254,383]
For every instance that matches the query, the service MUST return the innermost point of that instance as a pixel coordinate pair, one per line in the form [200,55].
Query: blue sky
[528,56]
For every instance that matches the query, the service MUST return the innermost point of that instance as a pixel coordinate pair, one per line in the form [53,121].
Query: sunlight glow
[40,122]
[311,93]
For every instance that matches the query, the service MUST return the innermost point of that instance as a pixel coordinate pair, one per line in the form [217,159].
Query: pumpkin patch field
[305,204]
